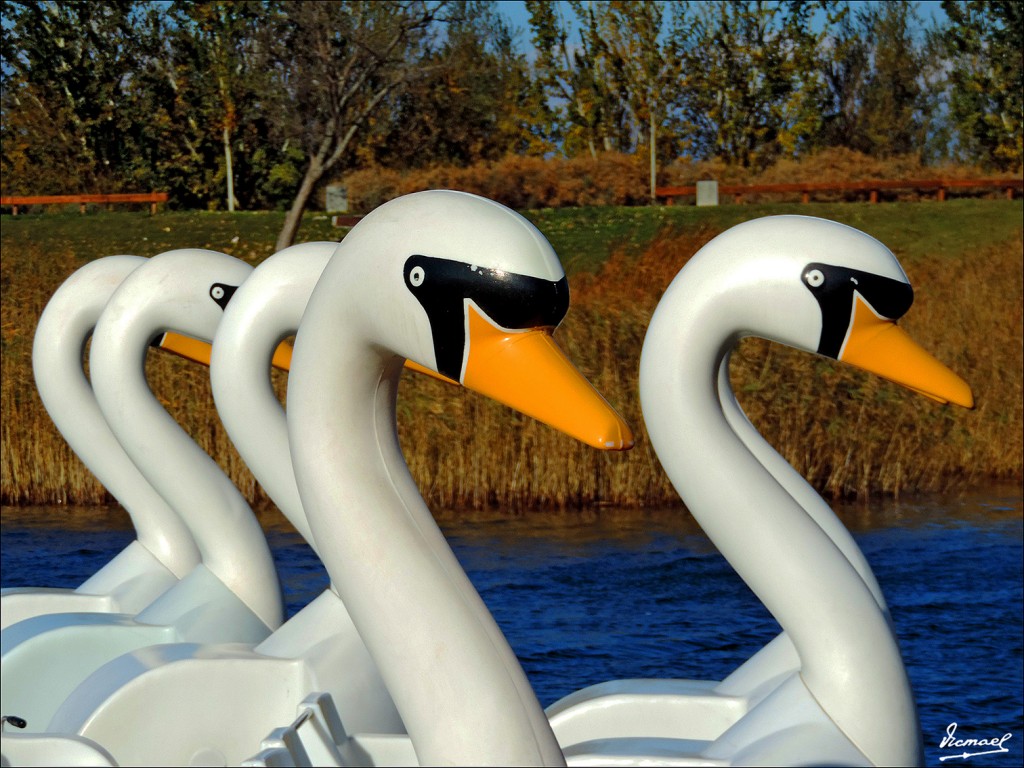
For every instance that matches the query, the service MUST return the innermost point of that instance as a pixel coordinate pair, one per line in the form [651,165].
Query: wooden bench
[345,219]
[873,187]
[153,198]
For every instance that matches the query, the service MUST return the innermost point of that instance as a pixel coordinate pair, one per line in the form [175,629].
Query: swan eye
[510,301]
[814,278]
[221,293]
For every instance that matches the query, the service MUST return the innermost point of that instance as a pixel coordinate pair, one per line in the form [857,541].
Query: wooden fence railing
[153,198]
[806,189]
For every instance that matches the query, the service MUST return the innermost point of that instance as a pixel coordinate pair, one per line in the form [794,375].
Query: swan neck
[794,484]
[456,683]
[64,327]
[230,541]
[795,569]
[240,375]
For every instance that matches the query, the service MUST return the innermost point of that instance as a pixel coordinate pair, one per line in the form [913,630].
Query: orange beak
[200,351]
[528,371]
[878,345]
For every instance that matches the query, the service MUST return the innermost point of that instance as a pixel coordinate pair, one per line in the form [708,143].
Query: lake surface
[588,597]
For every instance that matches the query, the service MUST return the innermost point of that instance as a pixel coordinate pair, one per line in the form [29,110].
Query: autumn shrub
[828,166]
[518,182]
[622,179]
[687,172]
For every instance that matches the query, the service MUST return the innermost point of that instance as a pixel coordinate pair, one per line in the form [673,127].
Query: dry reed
[851,434]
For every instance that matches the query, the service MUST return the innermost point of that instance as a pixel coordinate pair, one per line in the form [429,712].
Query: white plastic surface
[222,700]
[831,689]
[40,749]
[233,596]
[163,550]
[810,572]
[849,699]
[175,291]
[458,686]
[452,669]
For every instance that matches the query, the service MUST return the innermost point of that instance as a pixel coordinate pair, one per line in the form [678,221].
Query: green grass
[246,235]
[583,237]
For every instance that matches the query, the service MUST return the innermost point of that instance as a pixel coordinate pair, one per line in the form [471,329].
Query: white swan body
[769,710]
[219,701]
[233,594]
[429,277]
[264,311]
[832,688]
[163,550]
[426,277]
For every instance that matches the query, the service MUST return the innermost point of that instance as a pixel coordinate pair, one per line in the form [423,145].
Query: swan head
[185,290]
[470,290]
[825,288]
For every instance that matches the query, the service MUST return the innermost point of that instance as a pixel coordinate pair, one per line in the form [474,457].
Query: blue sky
[515,12]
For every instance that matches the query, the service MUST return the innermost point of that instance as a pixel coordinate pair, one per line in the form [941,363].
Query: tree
[645,69]
[984,42]
[473,100]
[217,35]
[69,93]
[846,65]
[893,102]
[585,107]
[217,62]
[338,61]
[747,88]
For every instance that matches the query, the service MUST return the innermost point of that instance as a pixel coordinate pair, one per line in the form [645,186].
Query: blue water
[610,595]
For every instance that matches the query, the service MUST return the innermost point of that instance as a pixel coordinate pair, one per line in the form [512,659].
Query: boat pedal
[309,740]
[17,722]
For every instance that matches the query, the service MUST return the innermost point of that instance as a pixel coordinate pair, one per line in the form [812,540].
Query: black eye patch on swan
[512,301]
[834,289]
[222,293]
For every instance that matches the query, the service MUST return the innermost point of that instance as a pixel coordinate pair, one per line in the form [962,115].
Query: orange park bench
[872,188]
[153,198]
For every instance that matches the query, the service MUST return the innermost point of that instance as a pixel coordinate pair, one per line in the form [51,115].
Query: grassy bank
[850,433]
